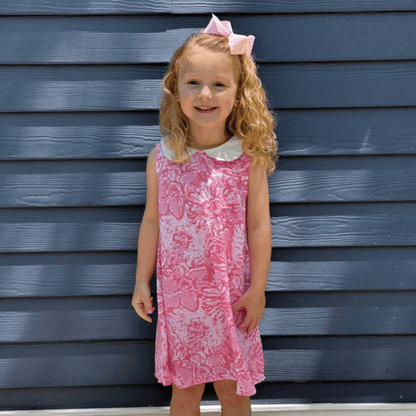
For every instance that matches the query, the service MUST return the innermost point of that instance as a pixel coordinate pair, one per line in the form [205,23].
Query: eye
[193,82]
[219,84]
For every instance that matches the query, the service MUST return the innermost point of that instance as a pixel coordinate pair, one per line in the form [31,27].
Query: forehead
[200,60]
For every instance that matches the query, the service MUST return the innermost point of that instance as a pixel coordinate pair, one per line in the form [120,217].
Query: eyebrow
[193,74]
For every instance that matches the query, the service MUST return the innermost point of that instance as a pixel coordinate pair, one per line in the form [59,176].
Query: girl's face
[207,88]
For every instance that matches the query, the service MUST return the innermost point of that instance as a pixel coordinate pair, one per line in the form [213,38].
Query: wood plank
[336,392]
[30,237]
[31,229]
[314,85]
[73,189]
[329,37]
[71,319]
[309,359]
[82,88]
[339,359]
[150,394]
[330,85]
[152,39]
[127,135]
[342,275]
[90,397]
[331,225]
[50,280]
[77,364]
[78,274]
[113,318]
[284,6]
[85,280]
[336,179]
[110,40]
[77,135]
[114,183]
[348,186]
[112,273]
[62,7]
[347,132]
[108,229]
[336,321]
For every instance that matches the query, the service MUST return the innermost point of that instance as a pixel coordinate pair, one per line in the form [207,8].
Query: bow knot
[239,44]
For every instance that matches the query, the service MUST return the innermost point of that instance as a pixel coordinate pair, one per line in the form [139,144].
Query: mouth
[205,110]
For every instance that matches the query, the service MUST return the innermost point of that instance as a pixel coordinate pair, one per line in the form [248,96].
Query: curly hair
[250,120]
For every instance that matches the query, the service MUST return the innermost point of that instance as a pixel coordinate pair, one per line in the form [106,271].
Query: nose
[205,93]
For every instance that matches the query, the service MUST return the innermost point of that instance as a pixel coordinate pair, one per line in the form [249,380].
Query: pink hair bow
[239,44]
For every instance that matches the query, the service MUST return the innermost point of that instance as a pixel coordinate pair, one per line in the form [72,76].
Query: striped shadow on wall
[79,91]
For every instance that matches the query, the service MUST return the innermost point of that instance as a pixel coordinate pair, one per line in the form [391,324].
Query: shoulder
[152,153]
[257,196]
[257,180]
[151,163]
[151,158]
[257,169]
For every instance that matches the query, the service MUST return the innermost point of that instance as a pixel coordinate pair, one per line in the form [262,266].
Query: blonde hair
[251,120]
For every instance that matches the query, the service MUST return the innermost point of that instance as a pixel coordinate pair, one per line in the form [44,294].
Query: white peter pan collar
[230,150]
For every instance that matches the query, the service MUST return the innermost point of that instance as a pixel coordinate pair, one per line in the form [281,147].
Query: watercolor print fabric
[203,268]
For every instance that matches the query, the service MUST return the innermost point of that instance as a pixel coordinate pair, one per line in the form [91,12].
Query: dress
[203,268]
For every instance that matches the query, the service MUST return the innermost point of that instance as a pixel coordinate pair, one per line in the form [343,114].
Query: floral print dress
[203,268]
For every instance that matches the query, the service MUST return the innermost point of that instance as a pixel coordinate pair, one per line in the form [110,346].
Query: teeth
[205,108]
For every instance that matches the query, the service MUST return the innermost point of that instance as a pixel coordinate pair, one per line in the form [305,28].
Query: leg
[185,402]
[231,403]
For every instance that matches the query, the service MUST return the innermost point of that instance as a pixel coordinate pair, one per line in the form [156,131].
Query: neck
[208,140]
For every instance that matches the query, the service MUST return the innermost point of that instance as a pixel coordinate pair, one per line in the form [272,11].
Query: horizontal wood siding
[314,85]
[151,39]
[107,135]
[62,7]
[83,7]
[79,92]
[284,6]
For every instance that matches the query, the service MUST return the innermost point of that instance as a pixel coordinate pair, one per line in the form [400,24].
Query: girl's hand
[254,302]
[142,302]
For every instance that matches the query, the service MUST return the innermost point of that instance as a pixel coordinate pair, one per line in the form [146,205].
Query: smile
[205,109]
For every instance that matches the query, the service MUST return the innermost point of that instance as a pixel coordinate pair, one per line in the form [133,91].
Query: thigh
[225,386]
[191,393]
[227,393]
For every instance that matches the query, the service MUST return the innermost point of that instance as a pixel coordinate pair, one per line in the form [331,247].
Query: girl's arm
[259,226]
[260,246]
[147,247]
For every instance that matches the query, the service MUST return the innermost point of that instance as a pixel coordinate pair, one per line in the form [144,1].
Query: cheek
[232,99]
[184,95]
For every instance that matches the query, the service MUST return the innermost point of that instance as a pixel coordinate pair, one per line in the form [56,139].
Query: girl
[207,224]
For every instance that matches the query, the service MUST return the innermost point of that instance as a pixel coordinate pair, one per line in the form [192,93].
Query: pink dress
[203,268]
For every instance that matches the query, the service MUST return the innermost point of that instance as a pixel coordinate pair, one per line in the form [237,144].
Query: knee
[227,393]
[190,394]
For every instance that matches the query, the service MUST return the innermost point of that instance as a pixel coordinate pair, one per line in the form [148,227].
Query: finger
[240,303]
[258,322]
[254,326]
[237,305]
[253,323]
[147,304]
[142,313]
[145,317]
[151,308]
[246,322]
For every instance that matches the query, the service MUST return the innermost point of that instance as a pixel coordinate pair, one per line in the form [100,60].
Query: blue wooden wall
[79,91]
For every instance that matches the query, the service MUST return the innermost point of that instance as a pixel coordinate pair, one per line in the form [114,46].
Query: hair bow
[239,44]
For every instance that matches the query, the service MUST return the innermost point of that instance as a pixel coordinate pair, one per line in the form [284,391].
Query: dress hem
[256,380]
